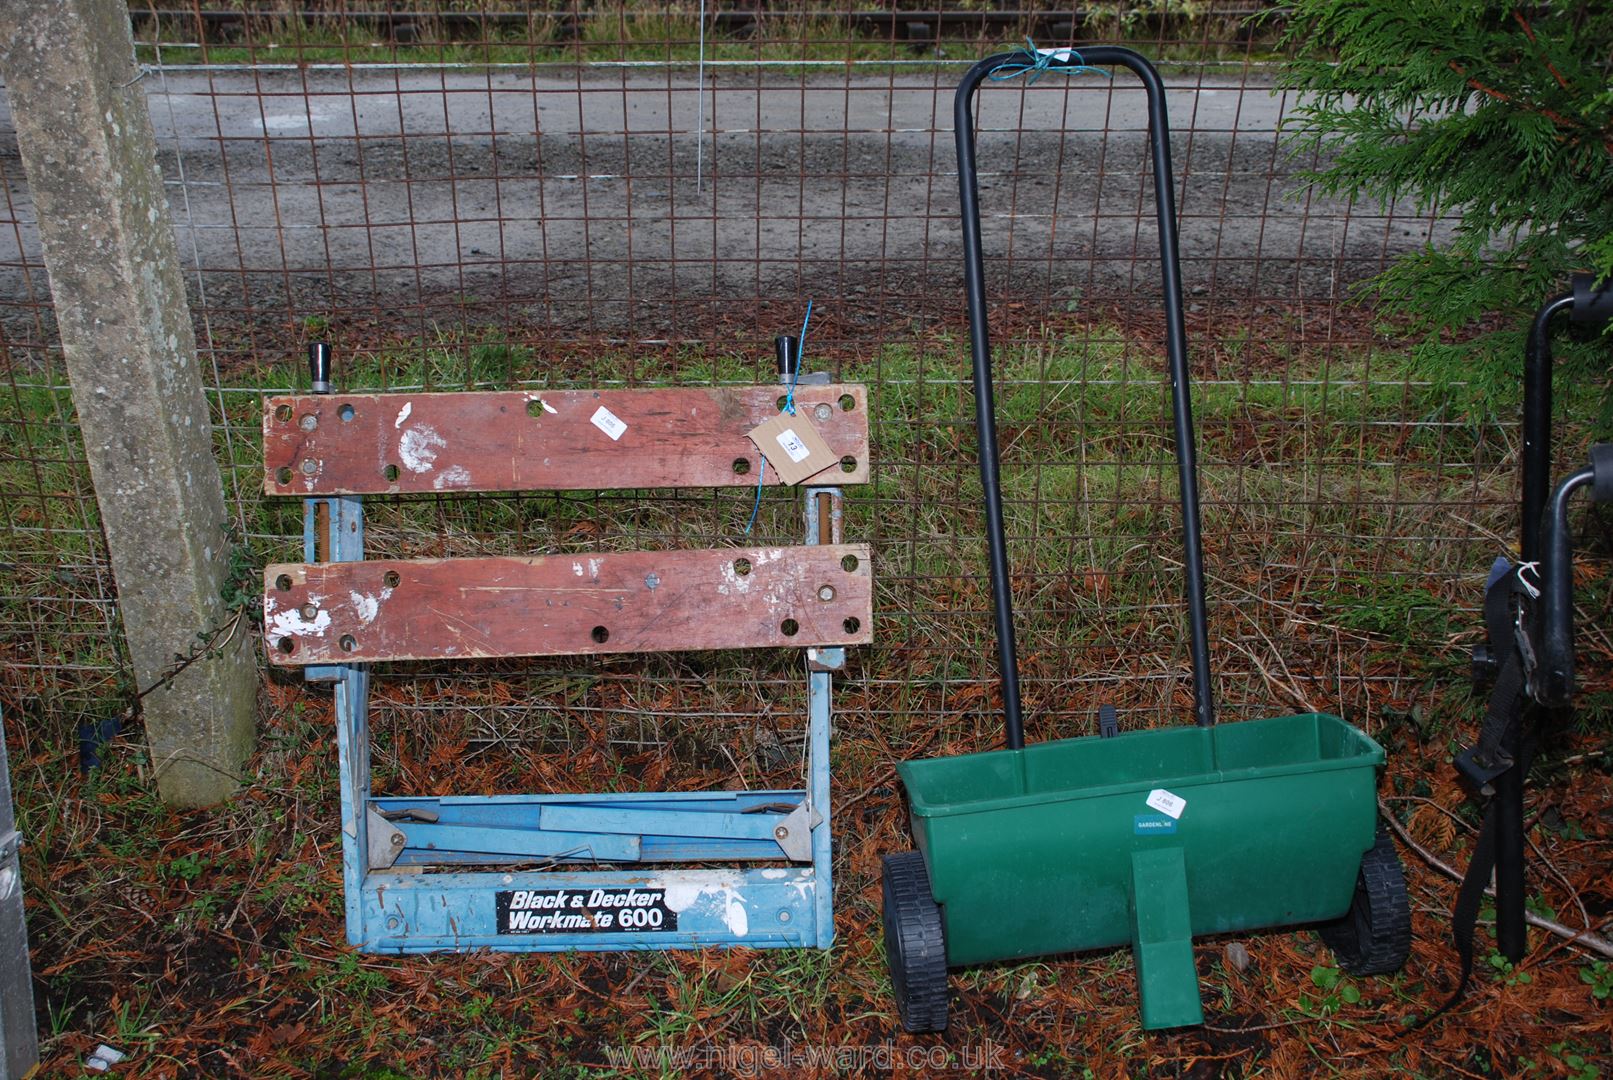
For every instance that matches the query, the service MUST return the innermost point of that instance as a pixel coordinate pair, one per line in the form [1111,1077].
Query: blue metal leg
[818,785]
[821,663]
[344,517]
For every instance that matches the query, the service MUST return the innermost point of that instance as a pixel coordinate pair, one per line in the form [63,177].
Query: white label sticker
[608,422]
[1166,803]
[793,445]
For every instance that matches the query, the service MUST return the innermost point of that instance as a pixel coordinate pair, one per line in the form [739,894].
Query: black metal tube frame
[1537,424]
[1175,350]
[1511,936]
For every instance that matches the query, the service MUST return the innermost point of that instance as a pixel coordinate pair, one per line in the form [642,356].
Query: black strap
[1491,756]
[1500,624]
[1465,915]
[1508,702]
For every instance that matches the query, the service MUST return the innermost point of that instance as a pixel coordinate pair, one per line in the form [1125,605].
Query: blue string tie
[761,471]
[1038,62]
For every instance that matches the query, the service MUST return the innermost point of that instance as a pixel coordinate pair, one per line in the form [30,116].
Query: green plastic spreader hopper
[1146,837]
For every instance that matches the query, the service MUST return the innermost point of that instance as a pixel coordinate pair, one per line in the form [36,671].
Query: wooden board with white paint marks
[558,605]
[549,440]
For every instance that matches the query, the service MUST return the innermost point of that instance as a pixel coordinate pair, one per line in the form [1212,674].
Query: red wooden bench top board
[548,440]
[557,605]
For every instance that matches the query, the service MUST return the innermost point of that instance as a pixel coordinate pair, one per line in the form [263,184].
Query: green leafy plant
[187,867]
[1575,1064]
[1599,976]
[1497,114]
[1336,990]
[1509,973]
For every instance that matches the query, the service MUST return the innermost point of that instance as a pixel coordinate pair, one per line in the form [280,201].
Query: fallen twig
[1586,939]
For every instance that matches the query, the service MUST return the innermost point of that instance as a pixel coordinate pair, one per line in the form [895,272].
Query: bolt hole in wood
[741,466]
[852,624]
[782,401]
[600,634]
[390,579]
[348,644]
[391,474]
[741,567]
[847,403]
[789,627]
[287,645]
[848,464]
[283,582]
[345,412]
[849,564]
[282,475]
[534,408]
[282,413]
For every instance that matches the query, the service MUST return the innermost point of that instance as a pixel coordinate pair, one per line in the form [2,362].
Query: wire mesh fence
[578,194]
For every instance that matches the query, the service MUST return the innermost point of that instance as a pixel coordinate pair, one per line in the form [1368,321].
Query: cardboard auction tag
[792,446]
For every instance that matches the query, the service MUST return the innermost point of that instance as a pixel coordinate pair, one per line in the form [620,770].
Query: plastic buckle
[1484,669]
[1480,770]
[1108,722]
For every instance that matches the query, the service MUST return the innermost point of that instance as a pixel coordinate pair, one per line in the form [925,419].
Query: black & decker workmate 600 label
[620,909]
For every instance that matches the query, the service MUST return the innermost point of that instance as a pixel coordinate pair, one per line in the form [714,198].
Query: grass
[1350,496]
[632,33]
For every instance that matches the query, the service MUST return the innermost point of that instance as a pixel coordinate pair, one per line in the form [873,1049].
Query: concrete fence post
[19,1041]
[87,147]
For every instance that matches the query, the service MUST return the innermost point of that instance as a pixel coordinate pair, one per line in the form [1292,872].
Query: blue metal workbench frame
[586,872]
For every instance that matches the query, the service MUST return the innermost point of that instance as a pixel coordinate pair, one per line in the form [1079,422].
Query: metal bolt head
[309,421]
[826,592]
[309,466]
[651,580]
[8,882]
[309,612]
[823,411]
[781,833]
[397,839]
[783,914]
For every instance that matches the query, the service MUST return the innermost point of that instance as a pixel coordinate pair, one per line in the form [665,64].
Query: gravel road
[578,195]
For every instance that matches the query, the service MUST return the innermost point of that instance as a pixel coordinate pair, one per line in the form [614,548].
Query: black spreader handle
[1176,355]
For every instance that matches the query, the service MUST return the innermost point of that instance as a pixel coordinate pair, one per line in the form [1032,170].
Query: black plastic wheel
[915,946]
[1374,937]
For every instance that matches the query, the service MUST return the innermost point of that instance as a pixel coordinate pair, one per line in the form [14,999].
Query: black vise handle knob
[789,355]
[319,366]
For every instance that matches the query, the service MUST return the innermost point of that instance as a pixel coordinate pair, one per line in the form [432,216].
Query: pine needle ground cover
[1354,498]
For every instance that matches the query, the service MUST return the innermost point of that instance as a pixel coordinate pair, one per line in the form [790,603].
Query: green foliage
[1387,607]
[1336,990]
[1499,115]
[1573,1062]
[1598,975]
[1507,972]
[187,867]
